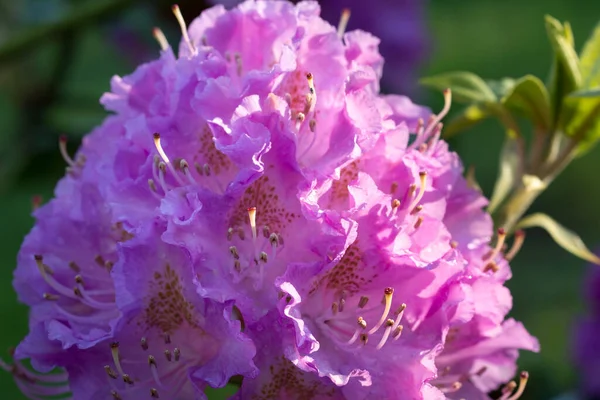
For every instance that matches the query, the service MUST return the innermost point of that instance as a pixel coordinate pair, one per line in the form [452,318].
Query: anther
[387,299]
[334,308]
[152,185]
[234,252]
[263,257]
[151,360]
[144,343]
[418,223]
[184,166]
[168,355]
[62,145]
[397,332]
[79,279]
[154,393]
[36,202]
[266,231]
[312,124]
[274,240]
[77,292]
[229,234]
[206,169]
[199,169]
[363,301]
[411,190]
[516,246]
[422,148]
[312,96]
[416,210]
[50,297]
[343,22]
[300,117]
[453,244]
[160,38]
[100,260]
[393,187]
[364,339]
[182,25]
[491,266]
[115,395]
[110,372]
[127,379]
[252,218]
[395,204]
[237,265]
[176,353]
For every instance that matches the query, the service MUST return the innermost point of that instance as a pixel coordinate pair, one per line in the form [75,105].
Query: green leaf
[590,60]
[594,92]
[565,76]
[530,98]
[466,87]
[561,40]
[581,119]
[508,171]
[565,238]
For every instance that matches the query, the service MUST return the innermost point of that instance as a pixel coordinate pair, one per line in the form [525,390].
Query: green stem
[89,13]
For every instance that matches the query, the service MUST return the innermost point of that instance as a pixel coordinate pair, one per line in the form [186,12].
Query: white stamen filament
[498,247]
[252,218]
[91,302]
[442,114]
[417,199]
[114,349]
[45,271]
[520,390]
[184,166]
[182,25]
[62,145]
[344,18]
[387,298]
[165,159]
[160,38]
[386,333]
[154,369]
[162,168]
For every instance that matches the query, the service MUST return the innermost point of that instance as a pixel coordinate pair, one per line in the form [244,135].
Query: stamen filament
[252,218]
[182,25]
[387,298]
[517,244]
[417,199]
[499,244]
[114,349]
[160,38]
[344,18]
[62,145]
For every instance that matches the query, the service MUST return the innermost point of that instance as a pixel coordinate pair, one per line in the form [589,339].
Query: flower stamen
[516,246]
[344,18]
[62,145]
[160,38]
[114,350]
[183,26]
[387,299]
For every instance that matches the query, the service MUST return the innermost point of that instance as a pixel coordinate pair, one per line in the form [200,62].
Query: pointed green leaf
[565,76]
[530,98]
[590,60]
[508,171]
[466,87]
[562,44]
[594,92]
[565,238]
[581,119]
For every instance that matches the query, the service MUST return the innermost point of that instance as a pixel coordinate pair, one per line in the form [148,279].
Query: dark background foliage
[56,59]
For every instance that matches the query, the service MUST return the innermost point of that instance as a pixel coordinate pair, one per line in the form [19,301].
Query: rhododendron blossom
[255,208]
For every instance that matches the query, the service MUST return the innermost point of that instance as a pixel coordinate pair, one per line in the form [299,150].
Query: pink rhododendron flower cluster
[254,207]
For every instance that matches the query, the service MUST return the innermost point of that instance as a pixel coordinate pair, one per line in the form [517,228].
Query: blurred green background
[53,87]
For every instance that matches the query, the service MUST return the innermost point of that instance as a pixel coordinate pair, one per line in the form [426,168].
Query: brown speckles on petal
[209,154]
[287,381]
[339,188]
[347,274]
[167,308]
[269,208]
